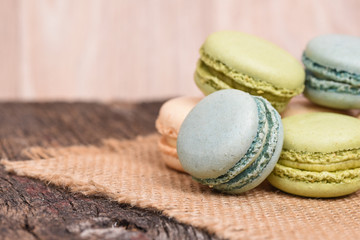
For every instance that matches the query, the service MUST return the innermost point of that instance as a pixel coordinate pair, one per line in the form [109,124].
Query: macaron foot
[315,187]
[333,99]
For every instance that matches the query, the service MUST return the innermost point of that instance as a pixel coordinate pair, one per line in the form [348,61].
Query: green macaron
[230,141]
[333,71]
[230,59]
[320,156]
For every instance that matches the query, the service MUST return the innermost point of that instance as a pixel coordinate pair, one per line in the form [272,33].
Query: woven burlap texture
[132,171]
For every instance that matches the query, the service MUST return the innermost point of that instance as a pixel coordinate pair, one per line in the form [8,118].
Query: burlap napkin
[132,172]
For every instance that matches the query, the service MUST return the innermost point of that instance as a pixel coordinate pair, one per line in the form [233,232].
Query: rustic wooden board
[31,209]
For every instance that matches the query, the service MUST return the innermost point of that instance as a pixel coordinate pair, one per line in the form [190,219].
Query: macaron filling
[330,86]
[318,162]
[222,71]
[250,167]
[320,156]
[335,177]
[166,147]
[331,73]
[330,81]
[210,79]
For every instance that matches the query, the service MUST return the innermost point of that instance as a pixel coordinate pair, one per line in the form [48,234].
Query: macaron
[230,141]
[230,59]
[332,65]
[300,105]
[171,115]
[357,114]
[320,156]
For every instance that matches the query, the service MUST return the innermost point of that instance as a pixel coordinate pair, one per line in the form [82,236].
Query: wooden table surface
[31,209]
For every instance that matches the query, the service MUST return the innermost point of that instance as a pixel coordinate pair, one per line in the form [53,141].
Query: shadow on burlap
[132,172]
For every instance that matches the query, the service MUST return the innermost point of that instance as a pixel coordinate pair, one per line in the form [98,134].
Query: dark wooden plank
[30,209]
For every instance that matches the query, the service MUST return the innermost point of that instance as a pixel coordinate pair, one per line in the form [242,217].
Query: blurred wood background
[141,49]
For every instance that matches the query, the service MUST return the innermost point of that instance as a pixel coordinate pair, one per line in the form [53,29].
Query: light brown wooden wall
[141,49]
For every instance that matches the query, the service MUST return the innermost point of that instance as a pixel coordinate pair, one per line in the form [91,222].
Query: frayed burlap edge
[38,155]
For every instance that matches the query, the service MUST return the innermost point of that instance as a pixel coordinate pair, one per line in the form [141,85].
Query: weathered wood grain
[31,209]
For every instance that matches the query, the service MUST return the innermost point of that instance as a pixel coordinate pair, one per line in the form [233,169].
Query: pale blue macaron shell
[333,71]
[265,159]
[338,52]
[216,132]
[230,141]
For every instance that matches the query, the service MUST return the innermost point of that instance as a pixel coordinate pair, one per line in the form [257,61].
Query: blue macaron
[230,141]
[332,65]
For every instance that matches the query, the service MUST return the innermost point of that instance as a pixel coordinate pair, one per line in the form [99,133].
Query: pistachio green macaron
[230,59]
[320,156]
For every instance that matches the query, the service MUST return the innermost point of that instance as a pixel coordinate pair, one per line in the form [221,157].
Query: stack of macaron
[234,138]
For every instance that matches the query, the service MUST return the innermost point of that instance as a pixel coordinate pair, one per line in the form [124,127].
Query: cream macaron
[171,115]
